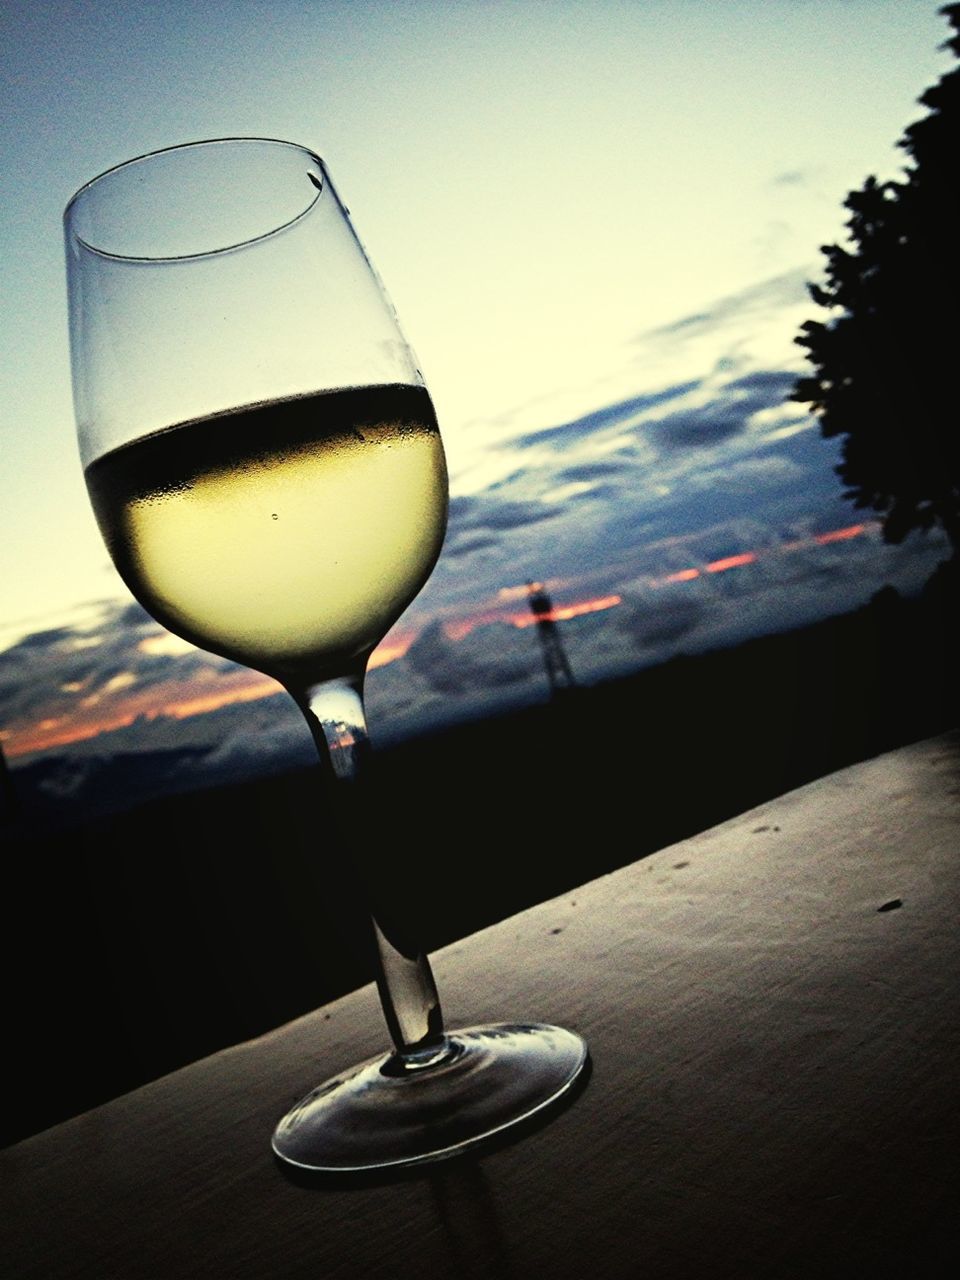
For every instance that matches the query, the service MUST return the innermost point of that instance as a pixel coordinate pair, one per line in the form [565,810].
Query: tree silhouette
[886,367]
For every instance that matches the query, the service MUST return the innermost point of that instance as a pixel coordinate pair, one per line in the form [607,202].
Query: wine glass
[265,466]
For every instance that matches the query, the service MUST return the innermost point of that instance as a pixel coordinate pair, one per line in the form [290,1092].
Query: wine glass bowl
[265,465]
[261,452]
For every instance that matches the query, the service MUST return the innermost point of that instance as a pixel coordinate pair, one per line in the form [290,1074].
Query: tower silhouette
[554,657]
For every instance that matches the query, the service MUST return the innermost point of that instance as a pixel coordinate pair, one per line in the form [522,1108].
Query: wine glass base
[378,1115]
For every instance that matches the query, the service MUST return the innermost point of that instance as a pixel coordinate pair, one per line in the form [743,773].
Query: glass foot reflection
[382,1114]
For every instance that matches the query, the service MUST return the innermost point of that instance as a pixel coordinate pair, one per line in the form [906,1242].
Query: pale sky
[539,184]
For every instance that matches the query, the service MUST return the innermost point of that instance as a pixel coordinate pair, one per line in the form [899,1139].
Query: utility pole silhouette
[554,657]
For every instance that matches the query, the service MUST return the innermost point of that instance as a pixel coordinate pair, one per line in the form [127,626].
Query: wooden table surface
[774,1089]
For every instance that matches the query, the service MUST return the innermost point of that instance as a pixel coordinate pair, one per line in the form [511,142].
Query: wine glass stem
[408,993]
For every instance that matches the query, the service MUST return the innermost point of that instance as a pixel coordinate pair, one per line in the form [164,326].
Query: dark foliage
[885,363]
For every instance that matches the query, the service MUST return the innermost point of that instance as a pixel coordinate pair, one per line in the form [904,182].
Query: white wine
[287,535]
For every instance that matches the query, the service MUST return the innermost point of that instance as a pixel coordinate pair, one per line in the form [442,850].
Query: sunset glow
[619,422]
[750,557]
[105,713]
[119,703]
[730,562]
[567,611]
[840,535]
[394,646]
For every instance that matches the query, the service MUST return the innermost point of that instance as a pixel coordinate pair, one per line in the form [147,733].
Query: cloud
[726,413]
[754,474]
[476,524]
[603,469]
[610,415]
[39,641]
[696,428]
[133,616]
[458,545]
[663,618]
[502,516]
[441,680]
[778,291]
[763,386]
[601,487]
[791,178]
[489,657]
[657,478]
[87,675]
[461,507]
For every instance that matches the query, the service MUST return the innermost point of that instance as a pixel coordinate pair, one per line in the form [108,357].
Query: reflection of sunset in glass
[119,702]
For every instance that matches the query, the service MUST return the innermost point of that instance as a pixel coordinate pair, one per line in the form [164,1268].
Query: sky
[596,221]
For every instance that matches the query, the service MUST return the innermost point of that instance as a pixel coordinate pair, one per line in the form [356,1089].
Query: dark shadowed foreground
[773,1011]
[156,936]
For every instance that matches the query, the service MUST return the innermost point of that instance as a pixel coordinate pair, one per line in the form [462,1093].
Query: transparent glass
[266,468]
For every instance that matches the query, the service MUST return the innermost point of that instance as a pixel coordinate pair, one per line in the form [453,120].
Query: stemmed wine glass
[265,466]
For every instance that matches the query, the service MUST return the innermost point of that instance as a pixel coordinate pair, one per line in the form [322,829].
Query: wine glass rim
[190,146]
